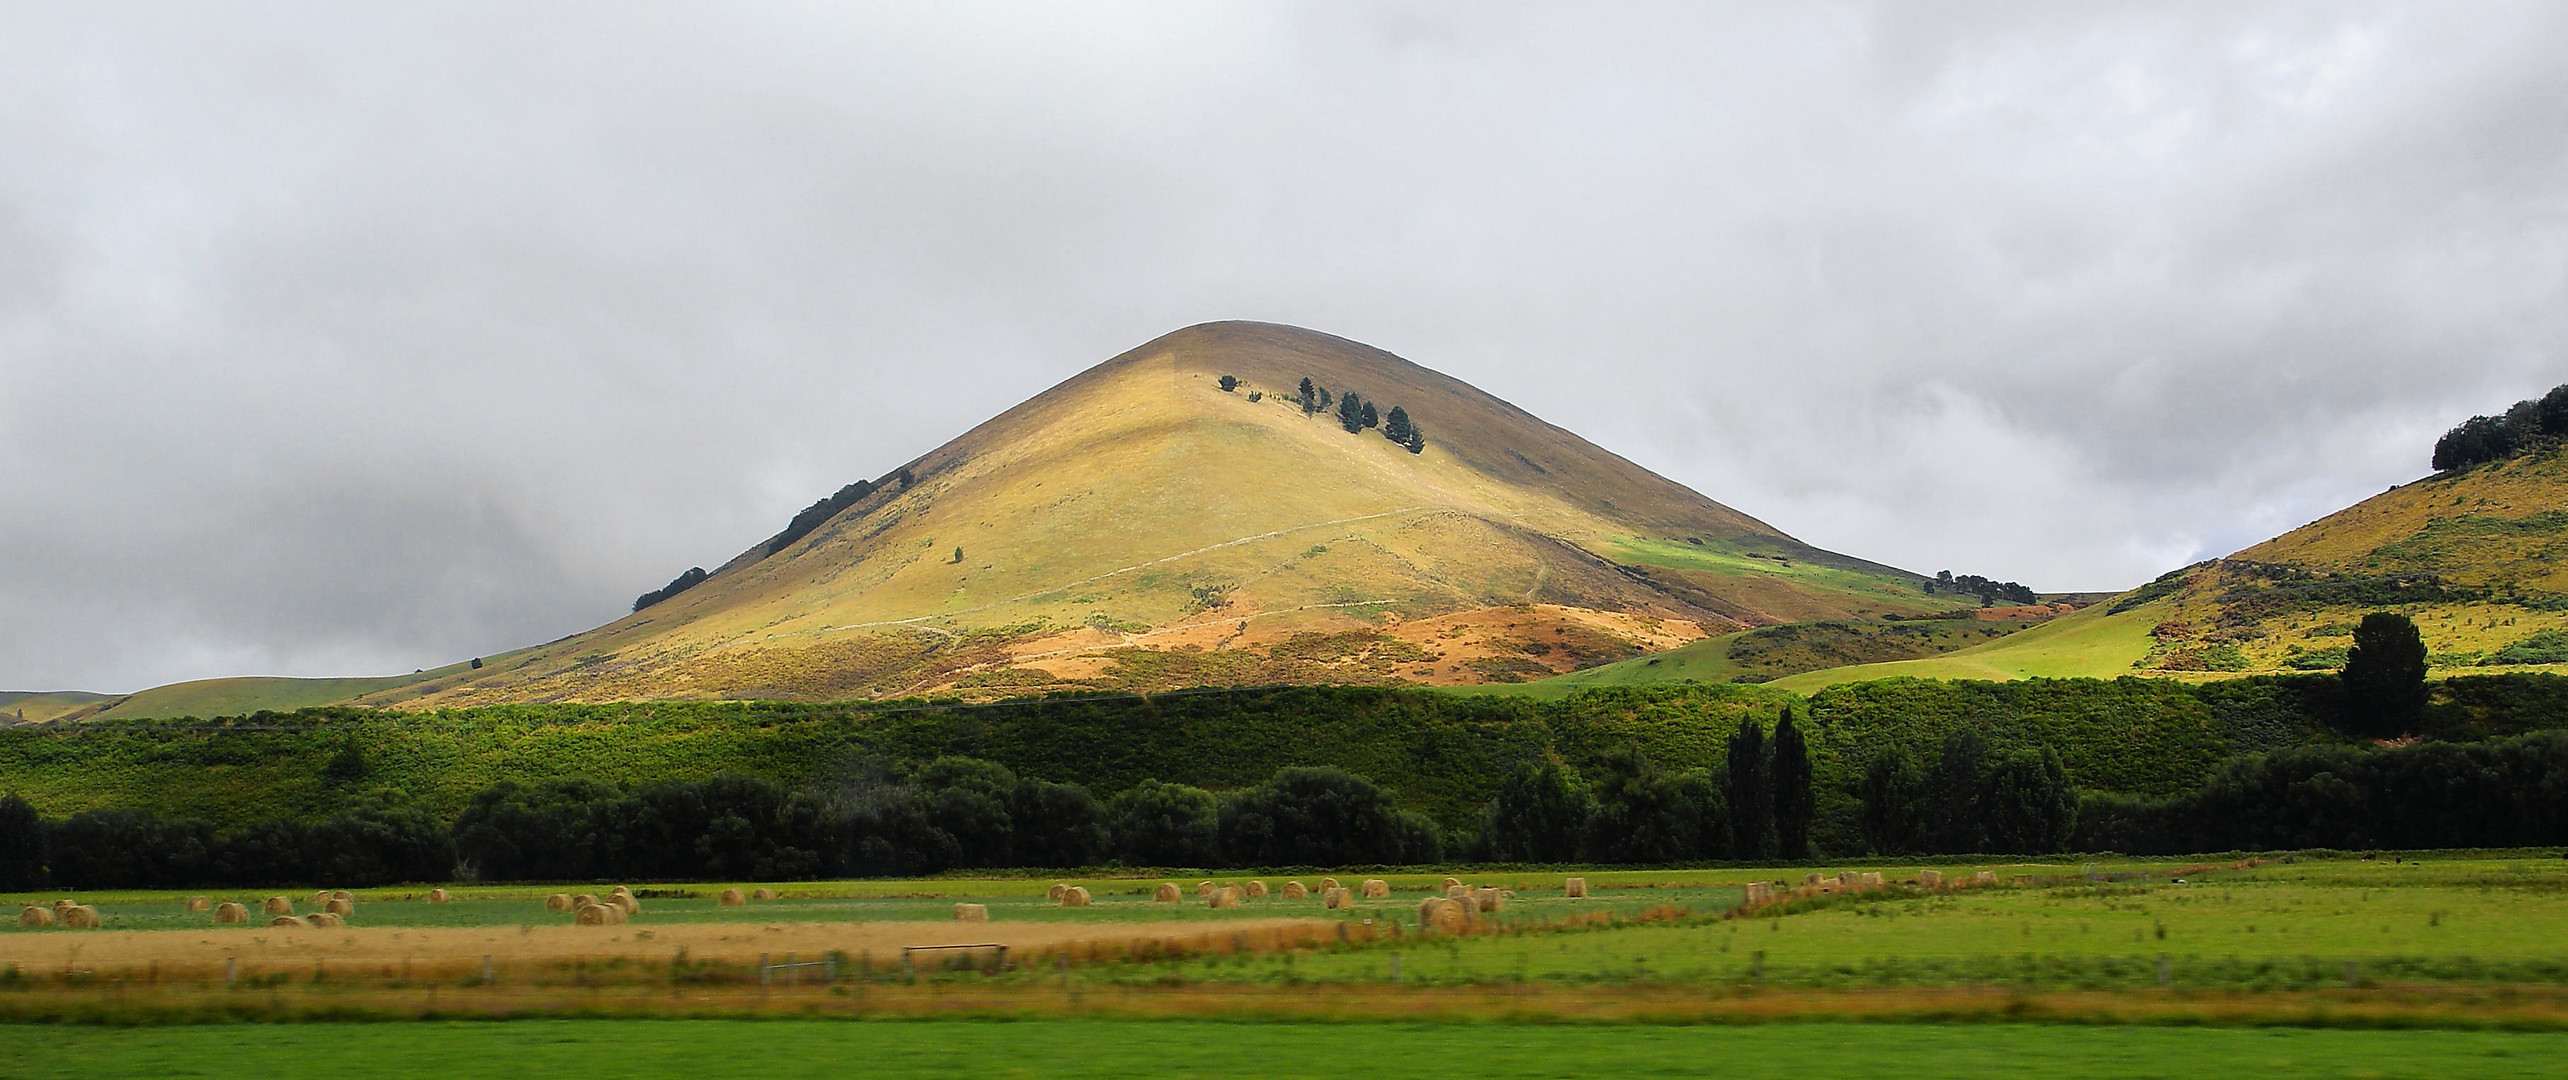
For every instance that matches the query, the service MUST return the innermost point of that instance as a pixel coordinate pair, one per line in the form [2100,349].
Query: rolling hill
[2477,556]
[1140,526]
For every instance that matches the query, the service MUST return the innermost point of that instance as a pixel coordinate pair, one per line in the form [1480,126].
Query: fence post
[766,974]
[1003,960]
[487,977]
[829,974]
[231,969]
[909,973]
[793,971]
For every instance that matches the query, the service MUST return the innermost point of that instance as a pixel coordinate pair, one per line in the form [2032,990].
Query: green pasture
[1126,1049]
[2091,644]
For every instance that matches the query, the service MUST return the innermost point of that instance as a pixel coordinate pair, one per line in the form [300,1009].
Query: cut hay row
[1761,895]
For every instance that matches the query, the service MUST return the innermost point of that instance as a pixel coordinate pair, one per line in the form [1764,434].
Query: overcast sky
[349,342]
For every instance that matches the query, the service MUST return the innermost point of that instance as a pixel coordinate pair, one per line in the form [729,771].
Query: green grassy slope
[1774,652]
[2091,644]
[37,706]
[244,695]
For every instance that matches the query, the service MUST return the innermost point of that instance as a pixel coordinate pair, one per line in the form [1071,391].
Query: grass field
[1124,1049]
[2091,644]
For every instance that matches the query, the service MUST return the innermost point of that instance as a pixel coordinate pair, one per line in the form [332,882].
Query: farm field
[1123,1049]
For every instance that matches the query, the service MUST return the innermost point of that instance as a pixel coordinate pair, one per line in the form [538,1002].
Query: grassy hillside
[36,706]
[1139,527]
[1775,652]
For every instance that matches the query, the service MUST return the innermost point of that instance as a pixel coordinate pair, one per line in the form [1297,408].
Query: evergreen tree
[1310,397]
[1230,383]
[1540,814]
[22,846]
[1644,814]
[1751,794]
[1792,799]
[1351,413]
[2026,804]
[2384,675]
[1417,441]
[1395,427]
[1371,419]
[1894,796]
[1952,795]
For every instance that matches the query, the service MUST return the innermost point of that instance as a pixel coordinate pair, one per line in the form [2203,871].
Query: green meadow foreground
[1126,1049]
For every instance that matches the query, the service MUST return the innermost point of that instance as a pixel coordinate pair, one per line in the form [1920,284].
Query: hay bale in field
[340,908]
[1575,888]
[1255,890]
[1326,884]
[1205,888]
[199,903]
[1337,898]
[1443,916]
[732,898]
[343,894]
[1293,890]
[1873,878]
[1055,892]
[36,916]
[1984,877]
[583,900]
[1457,892]
[278,905]
[971,913]
[288,920]
[1224,897]
[1930,878]
[438,896]
[763,894]
[231,913]
[1167,893]
[624,902]
[1074,896]
[1376,889]
[323,920]
[1812,879]
[558,902]
[1486,898]
[1759,893]
[1850,878]
[320,898]
[599,915]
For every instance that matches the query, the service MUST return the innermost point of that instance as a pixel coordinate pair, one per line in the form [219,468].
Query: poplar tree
[1792,799]
[1751,794]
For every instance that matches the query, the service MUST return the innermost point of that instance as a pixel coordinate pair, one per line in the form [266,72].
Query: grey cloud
[341,342]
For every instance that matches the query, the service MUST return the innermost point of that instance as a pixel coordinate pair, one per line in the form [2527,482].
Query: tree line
[1355,414]
[1989,592]
[2530,424]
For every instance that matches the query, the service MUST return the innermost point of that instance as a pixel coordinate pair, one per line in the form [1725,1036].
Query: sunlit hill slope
[1139,526]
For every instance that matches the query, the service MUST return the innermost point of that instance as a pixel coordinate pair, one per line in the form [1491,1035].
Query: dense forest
[2529,425]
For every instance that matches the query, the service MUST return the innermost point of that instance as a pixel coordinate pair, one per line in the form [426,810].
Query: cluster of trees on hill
[2481,439]
[694,576]
[1990,593]
[819,513]
[1355,414]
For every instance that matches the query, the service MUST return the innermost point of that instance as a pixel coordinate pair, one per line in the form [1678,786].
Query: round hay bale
[1205,888]
[971,913]
[1074,896]
[1457,892]
[36,916]
[624,902]
[622,890]
[1326,884]
[1377,889]
[1255,890]
[287,920]
[1293,890]
[583,900]
[1449,917]
[231,913]
[340,908]
[343,894]
[1487,899]
[199,903]
[323,920]
[278,905]
[60,906]
[1575,888]
[320,898]
[558,902]
[599,915]
[1337,898]
[1224,897]
[1055,893]
[763,894]
[1449,883]
[1166,893]
[732,898]
[1930,878]
[80,917]
[438,896]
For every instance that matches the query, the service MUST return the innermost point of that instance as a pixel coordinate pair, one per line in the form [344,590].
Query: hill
[1141,526]
[37,706]
[2478,556]
[1773,653]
